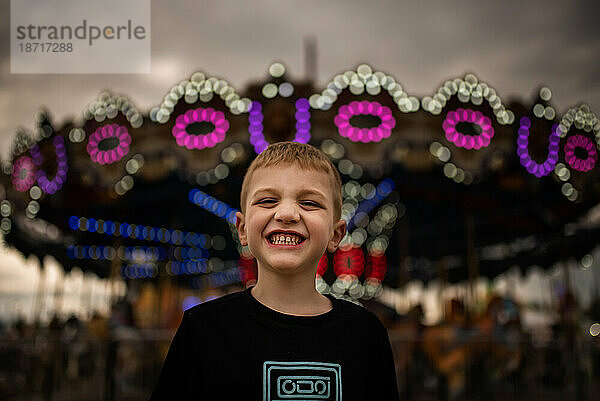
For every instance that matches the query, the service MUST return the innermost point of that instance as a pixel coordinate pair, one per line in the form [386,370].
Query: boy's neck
[290,295]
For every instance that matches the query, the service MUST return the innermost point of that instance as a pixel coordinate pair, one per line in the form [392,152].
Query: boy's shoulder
[224,304]
[353,310]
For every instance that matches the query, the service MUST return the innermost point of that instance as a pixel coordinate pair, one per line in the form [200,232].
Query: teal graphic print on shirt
[302,381]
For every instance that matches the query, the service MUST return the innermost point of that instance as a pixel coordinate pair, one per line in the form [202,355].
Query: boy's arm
[180,377]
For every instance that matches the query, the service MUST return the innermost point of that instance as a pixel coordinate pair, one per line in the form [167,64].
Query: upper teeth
[291,239]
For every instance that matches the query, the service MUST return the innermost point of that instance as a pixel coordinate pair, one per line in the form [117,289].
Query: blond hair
[306,157]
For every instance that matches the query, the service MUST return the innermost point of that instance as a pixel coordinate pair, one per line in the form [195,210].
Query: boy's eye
[265,201]
[310,203]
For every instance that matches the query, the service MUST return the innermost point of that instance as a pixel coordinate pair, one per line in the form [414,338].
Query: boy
[281,339]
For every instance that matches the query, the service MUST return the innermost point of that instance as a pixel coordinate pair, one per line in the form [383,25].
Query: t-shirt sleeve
[180,377]
[384,372]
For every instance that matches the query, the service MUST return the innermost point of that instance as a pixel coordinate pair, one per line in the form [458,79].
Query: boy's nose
[287,213]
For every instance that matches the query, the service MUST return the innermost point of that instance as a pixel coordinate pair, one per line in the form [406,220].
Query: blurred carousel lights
[333,149]
[200,115]
[541,169]
[5,208]
[468,90]
[346,167]
[212,176]
[5,213]
[135,271]
[348,265]
[186,268]
[355,134]
[376,245]
[271,89]
[541,111]
[232,154]
[32,209]
[147,233]
[443,154]
[136,254]
[468,141]
[383,189]
[302,121]
[76,135]
[134,164]
[583,120]
[374,273]
[126,182]
[21,143]
[360,81]
[123,185]
[255,126]
[199,88]
[51,186]
[247,267]
[23,174]
[108,106]
[222,278]
[212,205]
[102,137]
[586,261]
[276,70]
[45,131]
[583,142]
[320,282]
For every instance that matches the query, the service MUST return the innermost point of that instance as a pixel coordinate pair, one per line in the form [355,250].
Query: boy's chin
[286,267]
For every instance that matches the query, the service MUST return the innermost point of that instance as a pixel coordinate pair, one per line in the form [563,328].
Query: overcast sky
[515,46]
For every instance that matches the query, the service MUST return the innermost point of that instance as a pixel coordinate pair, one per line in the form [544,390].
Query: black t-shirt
[235,348]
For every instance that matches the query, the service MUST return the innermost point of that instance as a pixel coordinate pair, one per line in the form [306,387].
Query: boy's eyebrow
[312,192]
[261,190]
[303,192]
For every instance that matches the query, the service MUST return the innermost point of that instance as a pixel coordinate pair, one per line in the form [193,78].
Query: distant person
[281,339]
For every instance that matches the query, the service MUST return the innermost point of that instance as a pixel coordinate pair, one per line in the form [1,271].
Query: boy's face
[288,221]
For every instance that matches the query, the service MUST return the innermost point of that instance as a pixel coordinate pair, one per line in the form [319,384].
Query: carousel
[450,186]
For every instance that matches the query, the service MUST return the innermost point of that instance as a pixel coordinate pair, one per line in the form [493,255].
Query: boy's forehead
[266,175]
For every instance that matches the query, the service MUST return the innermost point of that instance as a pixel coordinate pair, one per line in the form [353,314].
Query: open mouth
[285,239]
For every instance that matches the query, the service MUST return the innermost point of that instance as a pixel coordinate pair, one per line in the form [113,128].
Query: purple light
[355,134]
[210,115]
[302,121]
[543,169]
[51,186]
[112,155]
[255,127]
[23,175]
[468,141]
[580,141]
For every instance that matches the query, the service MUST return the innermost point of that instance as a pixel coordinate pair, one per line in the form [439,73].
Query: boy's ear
[240,224]
[339,230]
